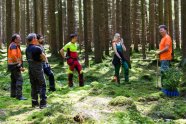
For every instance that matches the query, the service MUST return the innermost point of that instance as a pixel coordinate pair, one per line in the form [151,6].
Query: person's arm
[123,46]
[43,57]
[167,45]
[164,50]
[62,53]
[115,50]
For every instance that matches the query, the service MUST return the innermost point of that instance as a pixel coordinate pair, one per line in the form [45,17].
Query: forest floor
[100,101]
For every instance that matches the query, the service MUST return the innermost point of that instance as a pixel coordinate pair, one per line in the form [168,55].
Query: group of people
[38,63]
[38,66]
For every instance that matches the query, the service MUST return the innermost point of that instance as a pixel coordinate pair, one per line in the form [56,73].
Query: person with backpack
[72,60]
[119,59]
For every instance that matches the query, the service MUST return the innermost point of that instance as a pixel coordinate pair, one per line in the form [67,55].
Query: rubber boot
[70,80]
[81,81]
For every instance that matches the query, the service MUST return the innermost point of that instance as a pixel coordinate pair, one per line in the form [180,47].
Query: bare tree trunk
[152,24]
[135,34]
[8,21]
[143,27]
[106,29]
[52,27]
[176,24]
[17,16]
[86,32]
[23,35]
[89,25]
[97,27]
[183,32]
[27,17]
[70,16]
[80,32]
[126,28]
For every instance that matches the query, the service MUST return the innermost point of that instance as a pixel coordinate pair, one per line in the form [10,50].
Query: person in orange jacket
[15,66]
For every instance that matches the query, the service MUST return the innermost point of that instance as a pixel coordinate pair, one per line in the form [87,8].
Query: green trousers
[126,71]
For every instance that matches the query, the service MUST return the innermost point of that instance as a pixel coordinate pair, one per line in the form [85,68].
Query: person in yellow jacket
[15,66]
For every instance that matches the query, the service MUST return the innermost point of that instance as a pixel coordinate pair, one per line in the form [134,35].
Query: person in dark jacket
[35,57]
[46,66]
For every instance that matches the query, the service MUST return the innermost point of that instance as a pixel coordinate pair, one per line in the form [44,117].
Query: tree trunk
[106,29]
[27,17]
[126,27]
[8,21]
[118,16]
[97,27]
[183,32]
[86,32]
[152,24]
[52,27]
[17,16]
[23,35]
[143,27]
[80,32]
[176,24]
[70,16]
[89,25]
[134,19]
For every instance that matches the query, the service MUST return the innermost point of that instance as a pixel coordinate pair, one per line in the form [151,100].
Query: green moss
[122,101]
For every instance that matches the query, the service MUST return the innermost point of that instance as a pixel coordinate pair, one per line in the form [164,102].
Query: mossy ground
[99,101]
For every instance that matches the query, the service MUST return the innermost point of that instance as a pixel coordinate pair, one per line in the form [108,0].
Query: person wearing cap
[35,57]
[72,60]
[119,59]
[15,66]
[46,66]
[165,50]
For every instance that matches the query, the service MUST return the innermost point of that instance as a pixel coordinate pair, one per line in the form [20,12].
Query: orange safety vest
[14,55]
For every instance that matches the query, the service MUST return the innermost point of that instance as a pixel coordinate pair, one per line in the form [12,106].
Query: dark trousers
[125,68]
[50,74]
[38,84]
[16,83]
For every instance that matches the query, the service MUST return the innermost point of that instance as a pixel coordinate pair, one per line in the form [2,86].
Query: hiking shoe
[52,89]
[22,98]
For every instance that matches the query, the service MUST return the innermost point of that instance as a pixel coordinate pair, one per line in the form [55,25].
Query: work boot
[43,104]
[70,80]
[81,81]
[35,103]
[118,79]
[52,89]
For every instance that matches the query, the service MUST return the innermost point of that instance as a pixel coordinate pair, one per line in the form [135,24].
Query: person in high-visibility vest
[15,66]
[72,60]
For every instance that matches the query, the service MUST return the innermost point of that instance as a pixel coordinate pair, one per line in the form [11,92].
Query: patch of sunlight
[133,78]
[147,107]
[139,69]
[95,108]
[180,121]
[23,116]
[104,70]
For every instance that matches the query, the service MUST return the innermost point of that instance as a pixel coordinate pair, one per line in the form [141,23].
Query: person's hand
[158,52]
[22,69]
[121,60]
